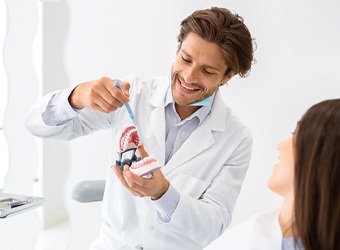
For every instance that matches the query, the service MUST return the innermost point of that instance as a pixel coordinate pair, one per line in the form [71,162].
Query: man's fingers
[101,95]
[142,151]
[124,180]
[131,179]
[121,95]
[125,88]
[112,97]
[119,174]
[135,181]
[104,96]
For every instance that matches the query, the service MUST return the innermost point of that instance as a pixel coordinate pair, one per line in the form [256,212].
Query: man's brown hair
[226,29]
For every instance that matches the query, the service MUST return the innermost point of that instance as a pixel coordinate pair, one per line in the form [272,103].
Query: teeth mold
[145,167]
[127,141]
[127,138]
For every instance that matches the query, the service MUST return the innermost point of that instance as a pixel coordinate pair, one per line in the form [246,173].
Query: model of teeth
[145,167]
[127,138]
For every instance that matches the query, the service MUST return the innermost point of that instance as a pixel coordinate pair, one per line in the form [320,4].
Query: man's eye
[208,72]
[185,60]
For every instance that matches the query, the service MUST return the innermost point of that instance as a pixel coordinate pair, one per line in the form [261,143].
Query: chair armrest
[89,191]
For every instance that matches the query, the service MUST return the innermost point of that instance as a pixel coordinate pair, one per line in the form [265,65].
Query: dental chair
[88,191]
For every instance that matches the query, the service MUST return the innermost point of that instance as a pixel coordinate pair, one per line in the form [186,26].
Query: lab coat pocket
[190,185]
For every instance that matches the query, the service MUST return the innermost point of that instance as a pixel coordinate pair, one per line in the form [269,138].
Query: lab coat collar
[202,136]
[158,96]
[157,117]
[219,112]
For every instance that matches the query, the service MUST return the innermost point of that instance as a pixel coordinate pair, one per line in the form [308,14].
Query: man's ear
[226,79]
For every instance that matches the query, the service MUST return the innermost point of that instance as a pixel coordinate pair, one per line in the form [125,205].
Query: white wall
[20,231]
[297,66]
[55,154]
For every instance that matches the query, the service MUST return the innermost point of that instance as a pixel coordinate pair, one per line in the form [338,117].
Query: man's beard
[175,76]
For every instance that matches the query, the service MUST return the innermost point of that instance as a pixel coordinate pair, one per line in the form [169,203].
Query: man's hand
[154,187]
[101,95]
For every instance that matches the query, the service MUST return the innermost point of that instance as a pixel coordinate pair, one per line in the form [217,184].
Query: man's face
[198,71]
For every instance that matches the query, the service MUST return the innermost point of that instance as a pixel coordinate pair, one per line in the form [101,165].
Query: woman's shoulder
[260,231]
[292,244]
[258,222]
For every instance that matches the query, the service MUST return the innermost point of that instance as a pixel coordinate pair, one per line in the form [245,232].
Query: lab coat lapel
[202,137]
[157,121]
[157,117]
[197,142]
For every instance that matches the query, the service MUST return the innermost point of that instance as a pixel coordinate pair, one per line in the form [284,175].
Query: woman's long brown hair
[317,177]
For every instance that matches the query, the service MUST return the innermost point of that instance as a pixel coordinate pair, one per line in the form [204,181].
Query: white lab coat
[207,170]
[259,232]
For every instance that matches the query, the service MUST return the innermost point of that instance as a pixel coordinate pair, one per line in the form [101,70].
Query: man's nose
[191,74]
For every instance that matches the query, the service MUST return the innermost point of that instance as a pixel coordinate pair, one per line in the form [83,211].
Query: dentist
[203,146]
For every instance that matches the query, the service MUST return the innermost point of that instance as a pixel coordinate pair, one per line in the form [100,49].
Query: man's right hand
[101,95]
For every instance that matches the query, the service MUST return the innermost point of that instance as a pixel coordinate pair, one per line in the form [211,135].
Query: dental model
[127,139]
[145,167]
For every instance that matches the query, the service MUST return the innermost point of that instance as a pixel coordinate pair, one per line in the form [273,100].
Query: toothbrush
[128,108]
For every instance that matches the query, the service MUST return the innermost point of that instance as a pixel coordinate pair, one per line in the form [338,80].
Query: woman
[308,177]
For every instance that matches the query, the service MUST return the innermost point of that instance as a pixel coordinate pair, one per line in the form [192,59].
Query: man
[184,123]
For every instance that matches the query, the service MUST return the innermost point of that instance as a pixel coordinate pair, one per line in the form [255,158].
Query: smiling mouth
[185,86]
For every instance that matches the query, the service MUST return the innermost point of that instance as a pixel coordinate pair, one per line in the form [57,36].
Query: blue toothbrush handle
[127,106]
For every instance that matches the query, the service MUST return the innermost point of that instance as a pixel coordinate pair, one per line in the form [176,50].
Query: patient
[307,176]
